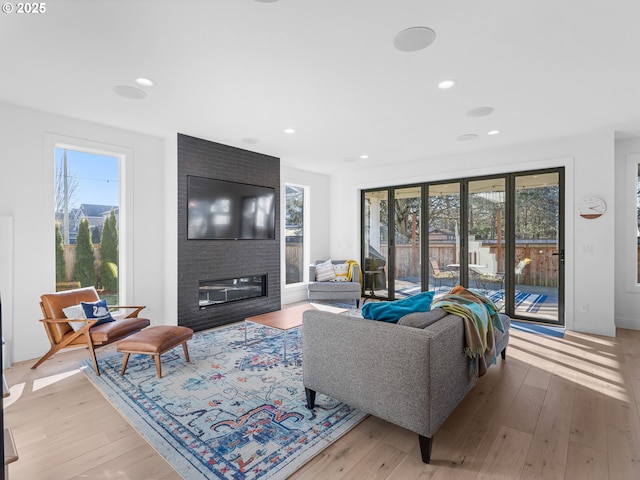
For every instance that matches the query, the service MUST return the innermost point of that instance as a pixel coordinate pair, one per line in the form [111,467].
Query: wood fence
[542,271]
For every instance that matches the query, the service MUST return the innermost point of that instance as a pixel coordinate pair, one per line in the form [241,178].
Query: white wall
[627,299]
[26,203]
[318,233]
[26,196]
[589,170]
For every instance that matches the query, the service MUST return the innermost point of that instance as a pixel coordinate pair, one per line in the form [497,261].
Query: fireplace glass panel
[215,292]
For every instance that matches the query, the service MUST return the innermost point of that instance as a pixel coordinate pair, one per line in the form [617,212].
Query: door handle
[561,255]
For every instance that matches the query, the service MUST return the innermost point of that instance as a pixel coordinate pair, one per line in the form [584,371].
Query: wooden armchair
[61,335]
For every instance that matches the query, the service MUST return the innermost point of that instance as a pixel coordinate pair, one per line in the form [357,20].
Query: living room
[596,157]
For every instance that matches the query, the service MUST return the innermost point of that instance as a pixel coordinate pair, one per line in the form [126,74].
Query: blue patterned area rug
[234,412]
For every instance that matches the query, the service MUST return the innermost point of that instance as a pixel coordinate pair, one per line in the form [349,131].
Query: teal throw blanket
[391,312]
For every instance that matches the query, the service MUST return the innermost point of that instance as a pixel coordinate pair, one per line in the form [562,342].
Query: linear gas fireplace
[216,292]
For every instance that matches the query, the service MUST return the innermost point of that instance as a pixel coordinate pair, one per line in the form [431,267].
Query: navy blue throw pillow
[97,310]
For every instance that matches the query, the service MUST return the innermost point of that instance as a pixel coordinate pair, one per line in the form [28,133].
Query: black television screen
[221,210]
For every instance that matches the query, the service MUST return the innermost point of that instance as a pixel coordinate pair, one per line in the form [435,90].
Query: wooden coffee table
[285,320]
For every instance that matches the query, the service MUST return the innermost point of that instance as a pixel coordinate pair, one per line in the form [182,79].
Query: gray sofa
[350,291]
[412,377]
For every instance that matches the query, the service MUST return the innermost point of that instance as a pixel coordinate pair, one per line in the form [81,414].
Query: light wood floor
[556,409]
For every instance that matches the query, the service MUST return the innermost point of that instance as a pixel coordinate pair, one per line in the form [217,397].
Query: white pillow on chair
[325,272]
[341,271]
[76,312]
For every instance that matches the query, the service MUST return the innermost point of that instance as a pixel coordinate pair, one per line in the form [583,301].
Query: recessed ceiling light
[129,92]
[414,39]
[493,132]
[145,82]
[480,112]
[466,137]
[364,156]
[289,131]
[446,84]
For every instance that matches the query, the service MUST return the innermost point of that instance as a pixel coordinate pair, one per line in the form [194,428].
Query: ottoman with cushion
[155,341]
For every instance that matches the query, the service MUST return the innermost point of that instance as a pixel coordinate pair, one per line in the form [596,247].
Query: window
[638,222]
[87,213]
[294,233]
[632,222]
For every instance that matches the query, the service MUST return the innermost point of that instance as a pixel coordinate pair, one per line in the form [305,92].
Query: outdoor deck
[540,303]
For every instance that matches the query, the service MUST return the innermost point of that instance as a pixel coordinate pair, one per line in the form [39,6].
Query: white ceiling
[231,70]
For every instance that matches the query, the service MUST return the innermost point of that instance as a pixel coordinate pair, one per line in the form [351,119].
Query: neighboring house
[96,214]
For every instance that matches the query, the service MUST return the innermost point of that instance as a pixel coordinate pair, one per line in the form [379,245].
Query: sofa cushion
[110,331]
[325,272]
[422,319]
[336,287]
[393,311]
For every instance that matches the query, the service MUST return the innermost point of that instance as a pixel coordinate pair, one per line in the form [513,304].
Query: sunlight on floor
[46,381]
[582,364]
[15,394]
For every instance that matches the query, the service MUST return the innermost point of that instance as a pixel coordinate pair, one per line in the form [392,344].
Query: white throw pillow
[75,311]
[325,272]
[341,270]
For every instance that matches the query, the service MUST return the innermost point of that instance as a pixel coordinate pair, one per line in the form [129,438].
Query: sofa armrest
[355,272]
[312,273]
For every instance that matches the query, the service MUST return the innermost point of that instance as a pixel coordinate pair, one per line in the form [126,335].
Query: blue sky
[96,175]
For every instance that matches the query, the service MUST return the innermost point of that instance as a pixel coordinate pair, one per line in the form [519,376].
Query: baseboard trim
[629,323]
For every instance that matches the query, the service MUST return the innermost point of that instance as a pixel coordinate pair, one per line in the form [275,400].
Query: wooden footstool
[154,341]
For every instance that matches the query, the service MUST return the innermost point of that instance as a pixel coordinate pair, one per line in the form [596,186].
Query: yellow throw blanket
[349,273]
[480,316]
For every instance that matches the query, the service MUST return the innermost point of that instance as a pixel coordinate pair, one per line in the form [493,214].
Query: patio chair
[490,278]
[498,277]
[520,267]
[441,274]
[62,335]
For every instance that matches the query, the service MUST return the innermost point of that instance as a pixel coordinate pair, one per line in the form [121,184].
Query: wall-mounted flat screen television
[221,210]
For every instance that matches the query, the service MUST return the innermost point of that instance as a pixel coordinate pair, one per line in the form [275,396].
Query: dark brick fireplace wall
[216,259]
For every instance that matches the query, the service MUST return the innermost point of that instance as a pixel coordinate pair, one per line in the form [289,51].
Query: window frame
[631,222]
[125,200]
[306,249]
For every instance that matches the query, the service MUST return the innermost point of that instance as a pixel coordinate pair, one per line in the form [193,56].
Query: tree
[85,270]
[61,266]
[294,212]
[109,253]
[96,235]
[66,188]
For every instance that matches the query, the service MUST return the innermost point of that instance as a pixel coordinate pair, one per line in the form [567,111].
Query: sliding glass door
[444,236]
[486,247]
[375,242]
[407,249]
[538,253]
[500,235]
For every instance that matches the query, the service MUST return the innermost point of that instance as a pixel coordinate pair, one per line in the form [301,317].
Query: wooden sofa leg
[503,354]
[425,447]
[311,398]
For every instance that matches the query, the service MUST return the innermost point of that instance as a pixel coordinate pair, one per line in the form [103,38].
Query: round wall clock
[591,207]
